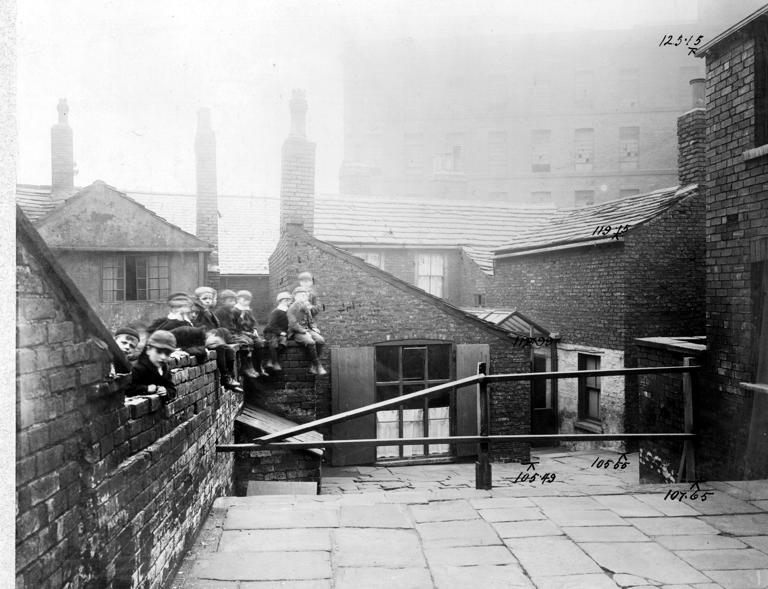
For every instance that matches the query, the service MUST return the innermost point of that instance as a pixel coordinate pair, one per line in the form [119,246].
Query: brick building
[386,336]
[731,416]
[571,118]
[599,289]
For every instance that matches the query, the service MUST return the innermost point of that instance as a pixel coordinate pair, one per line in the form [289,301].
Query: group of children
[223,322]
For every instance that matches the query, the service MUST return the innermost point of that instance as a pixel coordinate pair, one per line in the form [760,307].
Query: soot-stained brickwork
[737,242]
[661,404]
[363,305]
[109,492]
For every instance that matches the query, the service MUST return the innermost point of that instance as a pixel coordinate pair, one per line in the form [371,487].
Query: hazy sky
[135,73]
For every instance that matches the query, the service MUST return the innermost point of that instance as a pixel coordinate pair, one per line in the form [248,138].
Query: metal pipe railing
[483,464]
[463,382]
[456,440]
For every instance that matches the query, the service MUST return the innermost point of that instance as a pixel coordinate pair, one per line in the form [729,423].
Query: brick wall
[364,306]
[737,218]
[578,293]
[109,492]
[662,409]
[664,293]
[294,394]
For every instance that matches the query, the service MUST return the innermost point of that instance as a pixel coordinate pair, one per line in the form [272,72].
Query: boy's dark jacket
[206,318]
[145,373]
[166,324]
[278,323]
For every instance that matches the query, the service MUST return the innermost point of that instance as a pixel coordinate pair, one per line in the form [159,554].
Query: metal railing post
[688,459]
[483,464]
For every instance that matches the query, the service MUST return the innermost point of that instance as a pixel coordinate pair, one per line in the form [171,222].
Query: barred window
[134,277]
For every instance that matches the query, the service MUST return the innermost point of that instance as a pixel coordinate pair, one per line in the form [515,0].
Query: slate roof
[374,220]
[248,226]
[575,227]
[34,200]
[747,20]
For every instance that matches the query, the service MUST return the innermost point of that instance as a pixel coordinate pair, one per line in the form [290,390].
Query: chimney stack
[62,155]
[207,190]
[297,185]
[691,138]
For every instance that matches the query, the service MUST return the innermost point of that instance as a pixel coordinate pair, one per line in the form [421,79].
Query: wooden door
[467,358]
[543,399]
[353,386]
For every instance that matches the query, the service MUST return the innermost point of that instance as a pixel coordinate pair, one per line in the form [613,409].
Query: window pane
[387,363]
[386,392]
[130,278]
[413,427]
[415,403]
[387,427]
[594,404]
[440,400]
[414,360]
[439,427]
[439,366]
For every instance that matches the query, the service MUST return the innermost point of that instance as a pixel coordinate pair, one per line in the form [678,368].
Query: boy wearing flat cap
[245,325]
[276,330]
[227,314]
[179,307]
[302,328]
[150,374]
[203,304]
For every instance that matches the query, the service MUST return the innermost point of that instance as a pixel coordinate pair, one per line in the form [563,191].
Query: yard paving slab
[594,530]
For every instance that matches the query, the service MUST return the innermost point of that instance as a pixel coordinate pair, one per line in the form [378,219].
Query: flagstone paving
[427,527]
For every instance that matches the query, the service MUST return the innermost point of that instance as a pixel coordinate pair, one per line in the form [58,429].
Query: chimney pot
[697,92]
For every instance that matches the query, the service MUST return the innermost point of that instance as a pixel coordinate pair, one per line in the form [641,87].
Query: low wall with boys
[110,491]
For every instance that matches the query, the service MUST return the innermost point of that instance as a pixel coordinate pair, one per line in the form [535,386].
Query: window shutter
[353,386]
[467,357]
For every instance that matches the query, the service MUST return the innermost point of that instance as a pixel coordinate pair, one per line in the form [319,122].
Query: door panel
[353,386]
[467,358]
[543,410]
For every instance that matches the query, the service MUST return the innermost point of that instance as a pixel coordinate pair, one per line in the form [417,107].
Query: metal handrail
[463,382]
[456,440]
[483,464]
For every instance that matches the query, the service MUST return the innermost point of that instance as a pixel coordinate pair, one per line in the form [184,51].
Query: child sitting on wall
[276,330]
[225,313]
[150,374]
[307,281]
[302,328]
[179,307]
[203,305]
[245,325]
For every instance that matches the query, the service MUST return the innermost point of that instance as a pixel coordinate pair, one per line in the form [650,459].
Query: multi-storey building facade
[567,118]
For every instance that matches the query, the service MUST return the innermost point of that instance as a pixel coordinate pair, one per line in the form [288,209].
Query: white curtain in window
[439,427]
[387,427]
[413,427]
